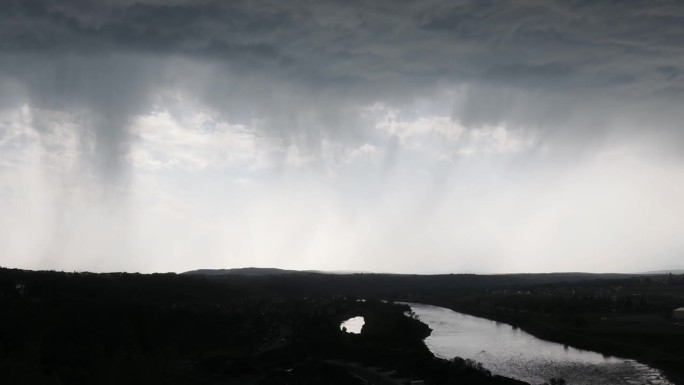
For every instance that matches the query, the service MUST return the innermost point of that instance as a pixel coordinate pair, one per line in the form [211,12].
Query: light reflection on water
[353,325]
[511,352]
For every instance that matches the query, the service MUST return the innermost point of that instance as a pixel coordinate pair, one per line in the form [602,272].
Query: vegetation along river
[511,352]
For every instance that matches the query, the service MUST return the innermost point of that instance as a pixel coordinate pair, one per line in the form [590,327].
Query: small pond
[353,325]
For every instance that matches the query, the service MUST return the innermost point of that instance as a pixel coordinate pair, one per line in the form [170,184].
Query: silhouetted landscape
[284,328]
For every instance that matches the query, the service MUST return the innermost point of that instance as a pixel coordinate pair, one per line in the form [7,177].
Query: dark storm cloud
[272,59]
[536,42]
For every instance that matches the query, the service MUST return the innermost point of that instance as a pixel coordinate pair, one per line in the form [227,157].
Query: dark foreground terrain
[82,328]
[283,328]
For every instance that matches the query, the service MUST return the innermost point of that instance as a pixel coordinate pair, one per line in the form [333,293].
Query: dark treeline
[391,285]
[216,287]
[83,328]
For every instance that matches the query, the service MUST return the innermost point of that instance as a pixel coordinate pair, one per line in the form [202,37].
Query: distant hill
[472,278]
[671,271]
[248,271]
[260,271]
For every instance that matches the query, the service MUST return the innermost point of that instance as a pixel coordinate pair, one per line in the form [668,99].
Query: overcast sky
[388,136]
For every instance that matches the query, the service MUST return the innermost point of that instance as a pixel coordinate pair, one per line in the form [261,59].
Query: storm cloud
[437,122]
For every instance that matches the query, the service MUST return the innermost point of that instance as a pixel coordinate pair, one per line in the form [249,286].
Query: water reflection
[353,325]
[511,352]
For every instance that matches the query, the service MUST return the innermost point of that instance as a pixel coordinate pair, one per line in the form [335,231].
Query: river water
[511,352]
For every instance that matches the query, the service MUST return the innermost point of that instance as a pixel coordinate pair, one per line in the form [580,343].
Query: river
[511,352]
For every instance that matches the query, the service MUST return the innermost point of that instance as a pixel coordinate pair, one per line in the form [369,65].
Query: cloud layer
[318,134]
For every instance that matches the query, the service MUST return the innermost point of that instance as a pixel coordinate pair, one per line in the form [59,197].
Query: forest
[279,328]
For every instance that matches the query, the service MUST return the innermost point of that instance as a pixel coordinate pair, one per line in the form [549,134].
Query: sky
[385,136]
